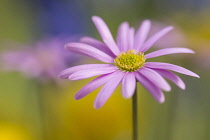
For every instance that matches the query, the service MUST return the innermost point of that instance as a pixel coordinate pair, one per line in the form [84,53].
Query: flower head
[129,61]
[126,62]
[44,60]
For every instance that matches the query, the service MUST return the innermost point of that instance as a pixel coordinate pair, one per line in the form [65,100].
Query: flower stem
[41,109]
[135,115]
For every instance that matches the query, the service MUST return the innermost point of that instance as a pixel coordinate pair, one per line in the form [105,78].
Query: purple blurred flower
[126,63]
[43,61]
[173,38]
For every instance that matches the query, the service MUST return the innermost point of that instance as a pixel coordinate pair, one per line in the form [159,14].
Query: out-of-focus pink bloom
[23,61]
[43,61]
[173,39]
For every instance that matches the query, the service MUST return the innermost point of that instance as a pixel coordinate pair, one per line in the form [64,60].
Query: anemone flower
[125,62]
[42,60]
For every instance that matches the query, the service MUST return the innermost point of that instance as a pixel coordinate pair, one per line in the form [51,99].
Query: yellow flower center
[130,61]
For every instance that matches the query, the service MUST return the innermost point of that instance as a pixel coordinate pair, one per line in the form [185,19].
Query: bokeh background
[33,109]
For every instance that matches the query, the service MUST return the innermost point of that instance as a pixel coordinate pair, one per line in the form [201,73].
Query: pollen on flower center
[130,61]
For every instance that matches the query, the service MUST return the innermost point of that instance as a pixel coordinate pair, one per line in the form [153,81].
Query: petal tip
[125,23]
[76,97]
[195,75]
[97,106]
[61,75]
[95,18]
[126,96]
[167,88]
[183,88]
[170,27]
[192,51]
[189,50]
[147,21]
[72,78]
[161,100]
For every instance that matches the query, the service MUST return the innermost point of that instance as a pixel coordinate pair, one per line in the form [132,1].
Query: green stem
[135,115]
[40,95]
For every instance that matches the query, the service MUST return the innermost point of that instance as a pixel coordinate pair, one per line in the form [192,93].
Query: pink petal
[89,51]
[171,76]
[107,90]
[105,34]
[67,72]
[141,34]
[167,66]
[155,38]
[168,51]
[128,85]
[155,78]
[122,36]
[131,38]
[97,44]
[154,90]
[83,74]
[94,84]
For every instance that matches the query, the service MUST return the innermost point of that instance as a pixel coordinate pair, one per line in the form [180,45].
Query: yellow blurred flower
[13,132]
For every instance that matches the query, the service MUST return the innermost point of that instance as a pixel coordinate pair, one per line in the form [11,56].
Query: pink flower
[126,63]
[22,61]
[43,60]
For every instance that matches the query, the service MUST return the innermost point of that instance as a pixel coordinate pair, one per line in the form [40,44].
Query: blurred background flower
[183,116]
[42,61]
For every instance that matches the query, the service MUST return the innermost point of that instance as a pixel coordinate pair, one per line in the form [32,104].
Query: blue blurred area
[60,17]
